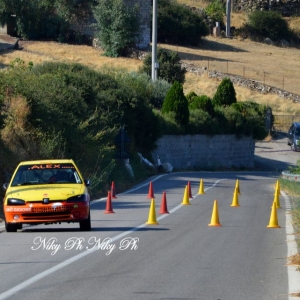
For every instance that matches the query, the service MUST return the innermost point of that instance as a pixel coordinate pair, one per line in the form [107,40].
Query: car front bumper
[46,213]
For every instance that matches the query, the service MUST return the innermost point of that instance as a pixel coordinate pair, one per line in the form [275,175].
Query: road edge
[293,274]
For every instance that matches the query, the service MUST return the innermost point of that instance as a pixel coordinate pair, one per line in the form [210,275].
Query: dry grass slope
[271,65]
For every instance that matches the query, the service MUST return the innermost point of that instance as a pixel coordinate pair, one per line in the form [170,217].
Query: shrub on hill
[216,11]
[254,115]
[176,102]
[178,25]
[143,87]
[201,122]
[117,26]
[267,24]
[59,110]
[76,112]
[168,123]
[37,19]
[225,94]
[240,118]
[169,66]
[202,102]
[190,96]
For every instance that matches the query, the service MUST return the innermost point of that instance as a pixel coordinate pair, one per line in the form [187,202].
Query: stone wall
[286,7]
[241,81]
[205,152]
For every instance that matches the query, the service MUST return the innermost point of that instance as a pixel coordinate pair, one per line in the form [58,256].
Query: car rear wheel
[85,225]
[12,227]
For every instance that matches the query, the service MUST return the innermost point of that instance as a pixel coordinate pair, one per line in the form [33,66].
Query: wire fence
[283,122]
[277,80]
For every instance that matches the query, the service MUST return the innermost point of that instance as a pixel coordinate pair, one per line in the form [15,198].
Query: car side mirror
[5,186]
[87,182]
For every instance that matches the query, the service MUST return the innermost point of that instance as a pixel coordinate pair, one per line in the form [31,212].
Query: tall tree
[169,66]
[44,18]
[176,102]
[117,26]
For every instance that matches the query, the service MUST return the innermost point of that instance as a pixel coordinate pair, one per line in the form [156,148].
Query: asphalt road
[180,258]
[275,155]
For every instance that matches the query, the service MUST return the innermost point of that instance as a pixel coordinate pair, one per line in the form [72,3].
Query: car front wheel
[11,227]
[85,225]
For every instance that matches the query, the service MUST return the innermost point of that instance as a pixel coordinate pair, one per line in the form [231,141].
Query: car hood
[55,192]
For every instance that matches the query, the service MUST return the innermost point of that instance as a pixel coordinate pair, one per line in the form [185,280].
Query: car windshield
[46,174]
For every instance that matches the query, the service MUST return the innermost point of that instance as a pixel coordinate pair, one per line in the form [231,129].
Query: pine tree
[176,102]
[225,94]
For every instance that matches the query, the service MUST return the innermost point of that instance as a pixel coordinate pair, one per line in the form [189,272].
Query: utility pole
[228,11]
[154,42]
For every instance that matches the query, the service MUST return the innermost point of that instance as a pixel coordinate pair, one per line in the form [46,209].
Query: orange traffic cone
[273,223]
[215,216]
[235,199]
[150,193]
[237,186]
[109,209]
[186,200]
[113,191]
[276,198]
[190,190]
[163,206]
[152,214]
[201,188]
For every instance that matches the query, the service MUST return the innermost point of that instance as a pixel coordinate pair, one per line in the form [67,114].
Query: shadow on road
[104,229]
[275,155]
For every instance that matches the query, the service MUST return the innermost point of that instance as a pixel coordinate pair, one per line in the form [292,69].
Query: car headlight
[15,201]
[78,198]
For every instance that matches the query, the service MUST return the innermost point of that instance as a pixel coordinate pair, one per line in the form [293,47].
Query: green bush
[76,112]
[254,118]
[220,119]
[201,122]
[168,124]
[178,25]
[225,94]
[37,19]
[263,24]
[152,92]
[235,120]
[190,96]
[118,26]
[169,69]
[202,102]
[159,91]
[176,102]
[216,11]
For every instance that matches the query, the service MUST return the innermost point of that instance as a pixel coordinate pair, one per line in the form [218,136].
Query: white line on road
[69,261]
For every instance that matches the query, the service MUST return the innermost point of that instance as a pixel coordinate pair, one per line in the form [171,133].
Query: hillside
[274,65]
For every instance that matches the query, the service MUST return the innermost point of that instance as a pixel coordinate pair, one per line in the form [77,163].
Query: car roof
[46,161]
[297,124]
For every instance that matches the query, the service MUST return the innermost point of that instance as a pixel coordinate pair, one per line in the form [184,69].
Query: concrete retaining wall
[205,152]
[293,177]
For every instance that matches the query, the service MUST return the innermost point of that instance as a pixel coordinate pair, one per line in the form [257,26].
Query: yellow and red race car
[46,192]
